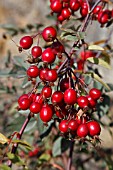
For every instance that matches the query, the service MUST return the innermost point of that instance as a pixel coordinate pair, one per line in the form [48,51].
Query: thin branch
[15,145]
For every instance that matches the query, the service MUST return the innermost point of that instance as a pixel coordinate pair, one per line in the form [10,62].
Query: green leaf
[27,145]
[76,48]
[8,27]
[16,124]
[56,150]
[26,83]
[97,85]
[21,62]
[3,139]
[4,167]
[15,158]
[95,47]
[7,73]
[97,78]
[88,79]
[106,57]
[110,86]
[103,107]
[60,146]
[71,37]
[81,35]
[65,144]
[45,157]
[99,61]
[31,125]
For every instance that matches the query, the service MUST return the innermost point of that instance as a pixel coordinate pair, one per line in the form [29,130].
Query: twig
[15,145]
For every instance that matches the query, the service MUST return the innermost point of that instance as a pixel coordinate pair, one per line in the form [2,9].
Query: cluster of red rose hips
[70,104]
[65,8]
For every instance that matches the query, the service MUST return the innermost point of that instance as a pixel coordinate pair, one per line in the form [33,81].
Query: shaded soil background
[21,13]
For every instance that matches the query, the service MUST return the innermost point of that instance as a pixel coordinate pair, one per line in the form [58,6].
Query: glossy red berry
[57,97]
[51,75]
[33,71]
[64,84]
[80,1]
[97,9]
[24,103]
[22,97]
[92,102]
[103,17]
[49,34]
[63,126]
[36,51]
[82,130]
[43,73]
[82,101]
[94,128]
[48,56]
[46,113]
[35,107]
[95,93]
[46,91]
[84,9]
[73,125]
[38,98]
[56,6]
[66,13]
[74,5]
[70,96]
[26,42]
[60,18]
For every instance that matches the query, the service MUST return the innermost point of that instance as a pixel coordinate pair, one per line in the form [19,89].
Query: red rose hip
[70,96]
[46,113]
[95,93]
[36,51]
[33,71]
[26,42]
[94,128]
[49,34]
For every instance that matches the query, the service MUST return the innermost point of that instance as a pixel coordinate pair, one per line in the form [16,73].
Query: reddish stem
[15,145]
